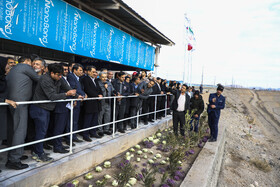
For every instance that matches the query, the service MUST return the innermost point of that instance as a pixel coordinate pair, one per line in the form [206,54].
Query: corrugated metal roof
[120,15]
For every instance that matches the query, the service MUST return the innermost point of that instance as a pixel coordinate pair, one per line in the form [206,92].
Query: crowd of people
[32,79]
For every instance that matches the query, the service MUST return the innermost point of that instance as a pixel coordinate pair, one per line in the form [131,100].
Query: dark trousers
[41,119]
[19,117]
[145,109]
[90,120]
[196,123]
[30,131]
[162,106]
[133,112]
[151,107]
[179,117]
[120,111]
[76,114]
[213,121]
[61,121]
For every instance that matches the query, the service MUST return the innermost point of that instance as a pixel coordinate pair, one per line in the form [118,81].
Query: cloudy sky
[235,40]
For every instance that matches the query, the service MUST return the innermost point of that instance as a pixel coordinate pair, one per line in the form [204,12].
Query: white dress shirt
[181,103]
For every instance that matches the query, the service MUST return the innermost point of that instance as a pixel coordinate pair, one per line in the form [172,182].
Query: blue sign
[57,25]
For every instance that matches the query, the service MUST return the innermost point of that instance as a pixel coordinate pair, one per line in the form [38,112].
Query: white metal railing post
[114,117]
[137,122]
[71,126]
[166,105]
[155,117]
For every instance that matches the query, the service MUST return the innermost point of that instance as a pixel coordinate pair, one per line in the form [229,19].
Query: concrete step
[84,158]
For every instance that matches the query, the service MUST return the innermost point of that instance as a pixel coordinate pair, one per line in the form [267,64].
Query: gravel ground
[252,155]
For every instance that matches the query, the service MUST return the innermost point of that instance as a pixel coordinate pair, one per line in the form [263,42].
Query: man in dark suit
[91,107]
[61,116]
[73,79]
[180,106]
[157,91]
[122,90]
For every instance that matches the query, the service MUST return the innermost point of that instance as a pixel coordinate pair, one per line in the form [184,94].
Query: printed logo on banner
[77,17]
[129,50]
[44,39]
[139,54]
[122,51]
[95,27]
[10,11]
[109,46]
[146,56]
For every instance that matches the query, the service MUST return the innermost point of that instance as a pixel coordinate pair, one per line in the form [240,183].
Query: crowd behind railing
[100,102]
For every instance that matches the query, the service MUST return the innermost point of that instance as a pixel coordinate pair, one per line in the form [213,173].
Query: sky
[236,41]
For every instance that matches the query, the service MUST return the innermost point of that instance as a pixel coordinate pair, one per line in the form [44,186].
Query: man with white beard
[39,65]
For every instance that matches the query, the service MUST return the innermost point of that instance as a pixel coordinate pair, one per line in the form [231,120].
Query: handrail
[90,128]
[69,100]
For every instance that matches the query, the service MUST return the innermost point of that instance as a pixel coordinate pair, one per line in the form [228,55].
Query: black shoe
[121,130]
[86,138]
[100,133]
[108,132]
[212,140]
[24,157]
[47,146]
[16,165]
[65,147]
[44,158]
[77,140]
[145,123]
[62,151]
[133,127]
[68,143]
[150,120]
[95,136]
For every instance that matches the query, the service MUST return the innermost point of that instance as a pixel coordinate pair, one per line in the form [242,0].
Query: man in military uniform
[216,103]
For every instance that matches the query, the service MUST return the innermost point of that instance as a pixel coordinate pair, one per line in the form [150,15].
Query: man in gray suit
[108,90]
[19,80]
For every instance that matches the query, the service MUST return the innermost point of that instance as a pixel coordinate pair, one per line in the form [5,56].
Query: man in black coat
[180,106]
[91,107]
[48,88]
[197,107]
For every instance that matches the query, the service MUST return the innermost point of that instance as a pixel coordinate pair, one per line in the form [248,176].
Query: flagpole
[190,67]
[184,74]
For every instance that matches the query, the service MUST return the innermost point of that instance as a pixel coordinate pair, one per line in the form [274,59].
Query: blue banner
[57,25]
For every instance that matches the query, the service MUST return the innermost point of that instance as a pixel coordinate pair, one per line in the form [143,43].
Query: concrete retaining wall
[206,168]
[83,161]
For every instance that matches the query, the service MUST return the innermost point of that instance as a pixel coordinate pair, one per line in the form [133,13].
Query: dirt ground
[252,155]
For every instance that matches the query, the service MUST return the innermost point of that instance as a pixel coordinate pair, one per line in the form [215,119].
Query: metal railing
[114,121]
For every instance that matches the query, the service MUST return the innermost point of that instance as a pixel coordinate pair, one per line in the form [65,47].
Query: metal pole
[114,117]
[165,105]
[137,119]
[71,126]
[155,116]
